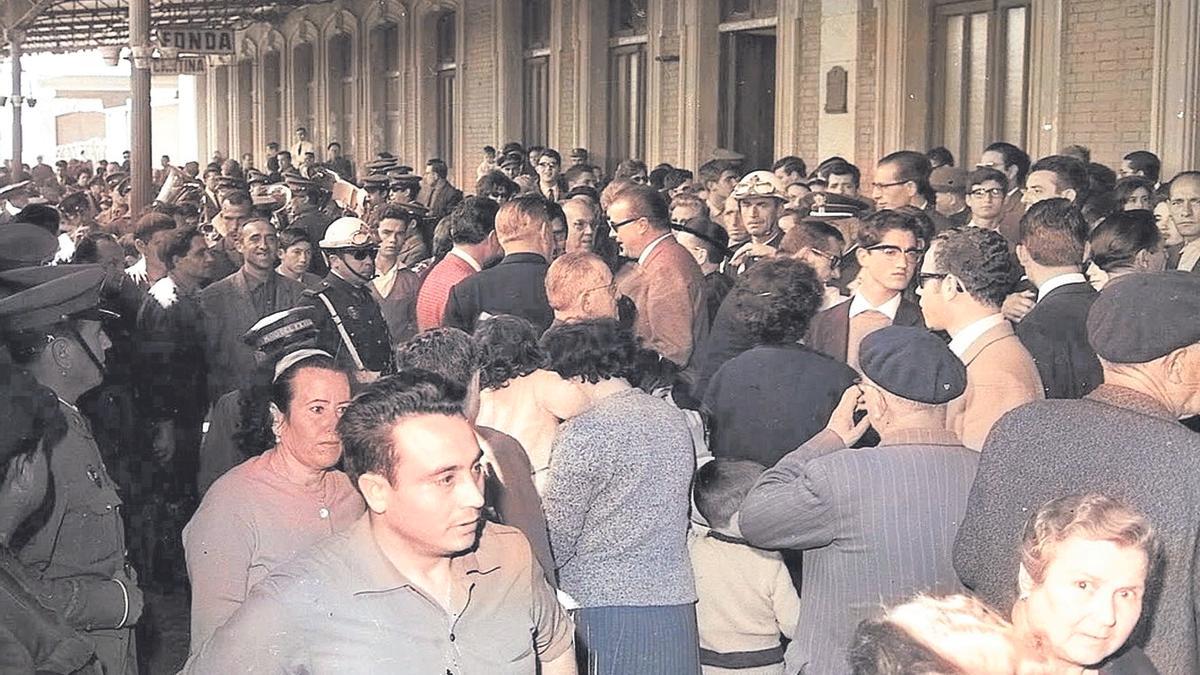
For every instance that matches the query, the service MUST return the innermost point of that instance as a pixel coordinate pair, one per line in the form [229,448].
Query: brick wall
[810,82]
[1107,56]
[865,88]
[566,91]
[478,112]
[666,110]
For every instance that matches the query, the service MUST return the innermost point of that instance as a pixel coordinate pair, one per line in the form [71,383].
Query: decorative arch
[301,76]
[340,65]
[383,51]
[439,90]
[272,78]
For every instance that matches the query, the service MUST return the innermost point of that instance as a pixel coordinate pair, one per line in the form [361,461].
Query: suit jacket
[228,313]
[876,525]
[668,291]
[516,285]
[440,199]
[1001,375]
[830,329]
[1010,219]
[1115,441]
[399,308]
[1055,333]
[1174,253]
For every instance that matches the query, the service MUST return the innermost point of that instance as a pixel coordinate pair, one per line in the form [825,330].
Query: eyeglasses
[549,165]
[881,186]
[922,277]
[986,192]
[893,252]
[613,226]
[835,261]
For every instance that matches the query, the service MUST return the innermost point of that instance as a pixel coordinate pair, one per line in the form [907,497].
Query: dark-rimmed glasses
[893,252]
[613,226]
[922,277]
[835,261]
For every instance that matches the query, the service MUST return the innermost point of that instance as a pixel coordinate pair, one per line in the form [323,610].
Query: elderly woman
[1127,242]
[1085,561]
[616,505]
[265,510]
[518,396]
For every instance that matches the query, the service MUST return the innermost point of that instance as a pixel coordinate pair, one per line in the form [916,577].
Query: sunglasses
[361,253]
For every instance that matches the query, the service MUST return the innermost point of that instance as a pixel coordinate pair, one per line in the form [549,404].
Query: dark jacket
[728,338]
[767,401]
[1115,441]
[360,316]
[170,373]
[1055,333]
[516,285]
[830,329]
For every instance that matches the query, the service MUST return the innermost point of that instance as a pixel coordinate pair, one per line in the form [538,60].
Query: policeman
[352,325]
[306,213]
[53,330]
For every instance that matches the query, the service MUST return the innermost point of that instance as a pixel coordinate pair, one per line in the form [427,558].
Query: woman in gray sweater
[616,504]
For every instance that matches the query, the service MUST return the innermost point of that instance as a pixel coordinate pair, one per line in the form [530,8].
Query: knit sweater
[617,502]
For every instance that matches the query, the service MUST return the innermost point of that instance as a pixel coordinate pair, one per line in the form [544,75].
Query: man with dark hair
[236,210]
[339,163]
[150,235]
[889,247]
[580,174]
[1141,163]
[666,285]
[718,178]
[870,538]
[473,232]
[1123,439]
[1013,163]
[549,170]
[841,178]
[305,212]
[302,145]
[821,246]
[395,285]
[939,157]
[422,568]
[789,169]
[496,186]
[986,191]
[1057,176]
[963,282]
[517,284]
[1185,216]
[1054,239]
[902,179]
[437,194]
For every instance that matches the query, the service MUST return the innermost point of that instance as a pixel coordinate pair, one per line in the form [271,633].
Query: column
[15,39]
[140,152]
[1176,84]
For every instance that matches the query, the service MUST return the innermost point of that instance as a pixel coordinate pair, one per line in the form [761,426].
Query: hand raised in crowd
[1017,305]
[752,250]
[841,421]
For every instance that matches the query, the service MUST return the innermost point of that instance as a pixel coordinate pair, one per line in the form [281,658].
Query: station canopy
[75,25]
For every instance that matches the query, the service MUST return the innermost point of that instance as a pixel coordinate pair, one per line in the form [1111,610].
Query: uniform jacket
[362,319]
[228,313]
[1001,375]
[877,526]
[399,308]
[516,285]
[1115,441]
[830,329]
[668,291]
[1055,333]
[33,638]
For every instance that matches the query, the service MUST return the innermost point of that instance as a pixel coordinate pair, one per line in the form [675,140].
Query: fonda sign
[195,40]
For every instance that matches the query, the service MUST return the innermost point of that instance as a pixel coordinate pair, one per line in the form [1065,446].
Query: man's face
[1185,208]
[165,161]
[795,193]
[309,159]
[995,160]
[581,226]
[124,156]
[891,191]
[986,200]
[197,264]
[1039,186]
[434,504]
[585,178]
[682,213]
[512,170]
[723,186]
[1127,169]
[558,237]
[363,269]
[232,217]
[548,169]
[247,160]
[285,162]
[301,135]
[335,151]
[949,203]
[694,245]
[431,176]
[259,245]
[297,257]
[786,176]
[626,228]
[1139,199]
[826,261]
[932,303]
[760,215]
[391,235]
[892,262]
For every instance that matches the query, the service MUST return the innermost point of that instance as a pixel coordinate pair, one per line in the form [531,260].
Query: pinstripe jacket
[876,525]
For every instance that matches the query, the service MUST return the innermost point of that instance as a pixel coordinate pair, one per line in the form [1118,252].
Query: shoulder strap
[337,321]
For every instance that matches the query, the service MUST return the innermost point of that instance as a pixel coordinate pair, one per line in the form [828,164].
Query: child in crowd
[747,599]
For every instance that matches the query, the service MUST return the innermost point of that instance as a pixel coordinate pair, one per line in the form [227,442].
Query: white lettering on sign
[197,40]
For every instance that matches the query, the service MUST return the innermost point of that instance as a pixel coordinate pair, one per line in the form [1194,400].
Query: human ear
[1024,582]
[375,491]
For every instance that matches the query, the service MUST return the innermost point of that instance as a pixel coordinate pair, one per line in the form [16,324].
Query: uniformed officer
[352,325]
[53,330]
[306,213]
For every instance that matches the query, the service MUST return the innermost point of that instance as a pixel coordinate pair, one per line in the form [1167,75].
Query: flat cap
[949,179]
[1127,322]
[73,292]
[22,245]
[912,363]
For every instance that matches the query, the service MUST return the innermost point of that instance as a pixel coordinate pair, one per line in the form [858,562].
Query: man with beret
[876,524]
[1123,439]
[949,184]
[352,327]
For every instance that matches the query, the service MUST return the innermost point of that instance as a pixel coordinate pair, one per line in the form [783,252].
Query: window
[446,68]
[341,96]
[221,99]
[273,98]
[303,90]
[627,17]
[385,88]
[626,81]
[535,71]
[747,10]
[980,74]
[246,119]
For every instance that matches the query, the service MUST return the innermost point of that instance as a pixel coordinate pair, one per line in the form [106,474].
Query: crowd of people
[736,420]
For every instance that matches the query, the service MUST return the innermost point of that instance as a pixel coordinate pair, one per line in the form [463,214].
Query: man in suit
[549,170]
[666,285]
[1057,176]
[437,194]
[963,281]
[473,233]
[302,145]
[902,179]
[1123,440]
[876,525]
[889,246]
[395,286]
[233,304]
[1053,242]
[1013,162]
[517,284]
[1185,214]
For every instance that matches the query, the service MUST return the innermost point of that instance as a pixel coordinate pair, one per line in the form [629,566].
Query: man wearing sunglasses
[352,328]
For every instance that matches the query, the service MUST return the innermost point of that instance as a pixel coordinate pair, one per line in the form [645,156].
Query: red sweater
[431,299]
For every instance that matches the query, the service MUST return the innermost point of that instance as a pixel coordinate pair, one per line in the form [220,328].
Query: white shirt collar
[832,297]
[650,247]
[1059,281]
[459,253]
[1189,255]
[384,282]
[967,336]
[859,304]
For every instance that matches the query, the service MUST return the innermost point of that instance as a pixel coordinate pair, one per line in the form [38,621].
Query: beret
[1138,318]
[22,244]
[912,363]
[949,179]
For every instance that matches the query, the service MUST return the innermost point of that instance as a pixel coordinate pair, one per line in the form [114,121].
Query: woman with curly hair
[518,396]
[616,504]
[767,401]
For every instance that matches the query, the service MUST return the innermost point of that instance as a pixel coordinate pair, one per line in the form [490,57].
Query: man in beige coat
[962,283]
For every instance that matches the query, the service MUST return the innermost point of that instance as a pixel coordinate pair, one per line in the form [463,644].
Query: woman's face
[1162,218]
[1089,601]
[1139,199]
[319,397]
[296,258]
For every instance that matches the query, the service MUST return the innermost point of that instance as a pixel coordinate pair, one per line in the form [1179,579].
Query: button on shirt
[343,608]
